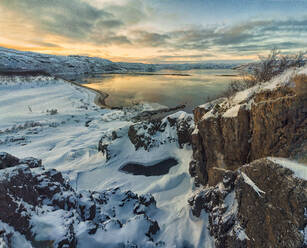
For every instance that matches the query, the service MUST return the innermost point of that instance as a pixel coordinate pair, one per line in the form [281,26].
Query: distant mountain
[14,60]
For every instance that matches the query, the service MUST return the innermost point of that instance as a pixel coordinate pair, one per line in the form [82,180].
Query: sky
[155,31]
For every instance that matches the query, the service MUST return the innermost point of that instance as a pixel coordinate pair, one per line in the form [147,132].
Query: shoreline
[100,97]
[145,115]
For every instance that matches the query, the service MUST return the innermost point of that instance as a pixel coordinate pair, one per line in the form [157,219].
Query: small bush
[245,82]
[52,111]
[274,64]
[267,68]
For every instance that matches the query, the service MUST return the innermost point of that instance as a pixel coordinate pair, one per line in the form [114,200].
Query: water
[168,90]
[158,169]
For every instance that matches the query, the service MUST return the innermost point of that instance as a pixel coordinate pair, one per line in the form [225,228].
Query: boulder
[7,160]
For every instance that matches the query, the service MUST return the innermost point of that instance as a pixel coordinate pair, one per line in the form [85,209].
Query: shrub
[274,64]
[52,111]
[267,68]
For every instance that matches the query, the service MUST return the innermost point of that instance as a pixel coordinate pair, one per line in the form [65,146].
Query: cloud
[131,12]
[45,44]
[72,19]
[109,38]
[193,56]
[150,39]
[250,36]
[132,24]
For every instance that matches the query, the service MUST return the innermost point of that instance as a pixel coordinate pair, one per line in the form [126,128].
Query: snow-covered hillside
[19,60]
[73,65]
[119,178]
[58,122]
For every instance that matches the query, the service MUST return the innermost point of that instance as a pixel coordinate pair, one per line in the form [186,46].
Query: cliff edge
[252,198]
[268,119]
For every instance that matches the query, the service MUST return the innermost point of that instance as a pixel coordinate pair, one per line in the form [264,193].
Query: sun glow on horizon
[154,31]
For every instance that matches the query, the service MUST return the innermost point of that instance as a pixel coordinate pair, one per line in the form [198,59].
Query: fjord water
[192,88]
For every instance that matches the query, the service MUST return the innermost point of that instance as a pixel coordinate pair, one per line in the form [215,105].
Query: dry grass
[267,68]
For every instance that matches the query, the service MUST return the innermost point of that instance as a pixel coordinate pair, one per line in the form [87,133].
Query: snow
[130,231]
[17,239]
[64,142]
[252,184]
[240,233]
[180,115]
[232,210]
[232,205]
[305,229]
[232,112]
[195,131]
[208,115]
[283,79]
[229,107]
[49,226]
[303,70]
[299,170]
[243,95]
[9,172]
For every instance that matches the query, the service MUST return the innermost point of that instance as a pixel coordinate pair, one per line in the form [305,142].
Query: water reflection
[169,90]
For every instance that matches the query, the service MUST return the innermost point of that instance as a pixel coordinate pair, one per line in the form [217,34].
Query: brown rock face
[240,215]
[277,217]
[267,123]
[278,125]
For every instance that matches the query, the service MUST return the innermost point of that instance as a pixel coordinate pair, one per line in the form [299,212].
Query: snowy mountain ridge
[11,59]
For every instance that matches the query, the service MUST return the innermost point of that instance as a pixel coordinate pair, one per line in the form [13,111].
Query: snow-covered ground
[244,98]
[73,65]
[58,122]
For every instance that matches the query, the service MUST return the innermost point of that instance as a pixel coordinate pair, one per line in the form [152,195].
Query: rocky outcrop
[173,128]
[41,206]
[146,135]
[7,160]
[266,120]
[260,205]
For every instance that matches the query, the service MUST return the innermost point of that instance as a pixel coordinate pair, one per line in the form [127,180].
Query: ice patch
[252,184]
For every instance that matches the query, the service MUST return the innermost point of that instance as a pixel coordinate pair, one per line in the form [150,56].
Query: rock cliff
[252,199]
[266,120]
[262,204]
